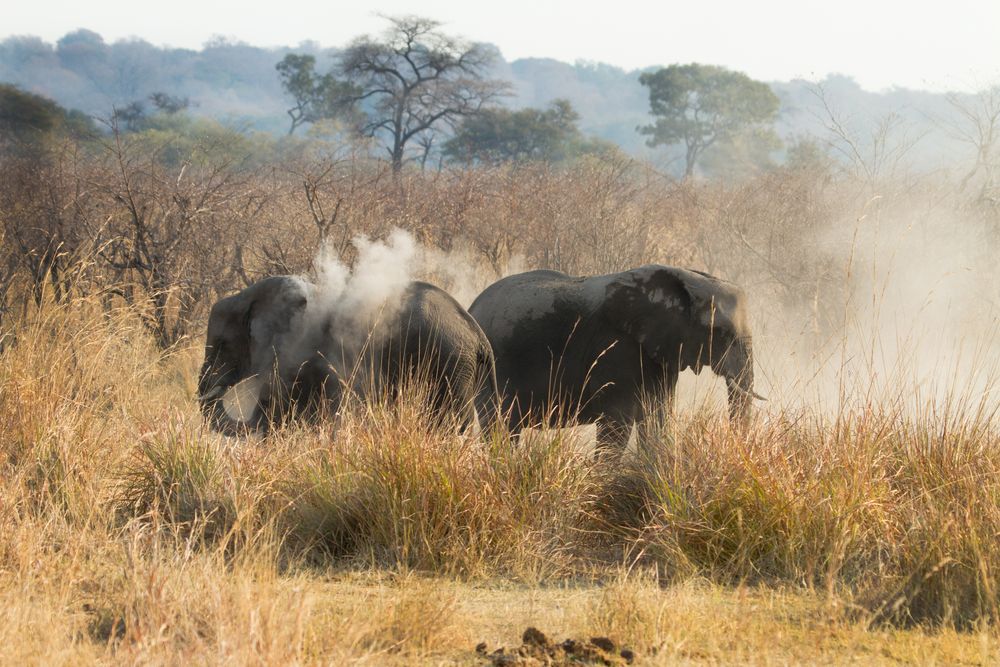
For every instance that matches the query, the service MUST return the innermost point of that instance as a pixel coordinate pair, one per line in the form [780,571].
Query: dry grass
[135,534]
[866,532]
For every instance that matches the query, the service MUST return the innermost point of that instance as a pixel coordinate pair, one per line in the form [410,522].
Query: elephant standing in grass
[596,348]
[275,350]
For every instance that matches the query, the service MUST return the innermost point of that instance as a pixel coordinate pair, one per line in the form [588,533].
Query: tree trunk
[397,159]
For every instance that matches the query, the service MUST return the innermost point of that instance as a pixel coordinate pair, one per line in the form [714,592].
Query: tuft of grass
[893,514]
[179,474]
[630,610]
[398,489]
[417,620]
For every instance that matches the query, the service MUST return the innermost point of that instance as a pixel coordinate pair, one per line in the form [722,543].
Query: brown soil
[536,649]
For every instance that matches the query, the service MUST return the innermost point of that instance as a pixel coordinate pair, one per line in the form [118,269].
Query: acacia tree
[701,105]
[416,79]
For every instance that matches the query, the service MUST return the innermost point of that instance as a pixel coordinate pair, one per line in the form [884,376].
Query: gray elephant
[276,350]
[596,348]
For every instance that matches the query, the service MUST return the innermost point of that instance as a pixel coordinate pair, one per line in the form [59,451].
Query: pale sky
[881,43]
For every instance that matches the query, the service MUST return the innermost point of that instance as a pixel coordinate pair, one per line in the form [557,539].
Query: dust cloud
[911,324]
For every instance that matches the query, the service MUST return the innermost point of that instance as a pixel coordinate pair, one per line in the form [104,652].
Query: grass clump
[396,490]
[891,514]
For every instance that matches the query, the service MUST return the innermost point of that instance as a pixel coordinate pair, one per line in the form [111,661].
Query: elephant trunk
[738,371]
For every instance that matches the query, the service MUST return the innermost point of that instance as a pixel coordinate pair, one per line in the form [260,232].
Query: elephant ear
[227,343]
[715,303]
[271,325]
[645,305]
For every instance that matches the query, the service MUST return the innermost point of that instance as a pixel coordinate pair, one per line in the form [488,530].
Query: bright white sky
[953,44]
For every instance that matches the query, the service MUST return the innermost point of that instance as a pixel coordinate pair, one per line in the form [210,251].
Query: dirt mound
[536,649]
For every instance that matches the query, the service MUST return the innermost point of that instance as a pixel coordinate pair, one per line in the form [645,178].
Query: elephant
[275,350]
[597,348]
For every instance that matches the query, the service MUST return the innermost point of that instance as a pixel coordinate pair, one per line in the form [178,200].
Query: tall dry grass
[120,506]
[132,532]
[891,516]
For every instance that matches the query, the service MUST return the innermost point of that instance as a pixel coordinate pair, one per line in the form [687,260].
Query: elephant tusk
[751,393]
[240,400]
[210,394]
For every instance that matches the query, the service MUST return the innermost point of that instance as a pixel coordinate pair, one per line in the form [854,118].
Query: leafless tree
[167,235]
[416,78]
[874,149]
[978,125]
[43,199]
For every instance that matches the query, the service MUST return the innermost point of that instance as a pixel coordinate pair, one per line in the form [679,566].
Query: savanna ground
[855,520]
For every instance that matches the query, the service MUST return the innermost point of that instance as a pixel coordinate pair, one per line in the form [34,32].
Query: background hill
[237,84]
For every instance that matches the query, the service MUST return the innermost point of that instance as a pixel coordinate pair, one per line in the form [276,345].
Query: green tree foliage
[180,138]
[315,96]
[702,105]
[26,118]
[527,135]
[414,80]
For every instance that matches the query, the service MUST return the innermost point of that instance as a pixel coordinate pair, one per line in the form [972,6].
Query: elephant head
[254,344]
[688,319]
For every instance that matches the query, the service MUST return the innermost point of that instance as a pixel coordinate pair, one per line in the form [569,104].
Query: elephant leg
[612,438]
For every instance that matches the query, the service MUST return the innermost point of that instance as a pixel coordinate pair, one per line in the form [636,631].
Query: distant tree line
[236,85]
[692,119]
[414,84]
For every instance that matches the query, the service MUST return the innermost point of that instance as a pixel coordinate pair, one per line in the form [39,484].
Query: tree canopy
[701,105]
[500,135]
[316,96]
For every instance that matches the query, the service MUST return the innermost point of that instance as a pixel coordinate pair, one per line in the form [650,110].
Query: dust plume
[357,296]
[906,321]
[347,302]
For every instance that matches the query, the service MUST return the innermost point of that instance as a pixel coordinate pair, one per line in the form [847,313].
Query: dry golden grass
[134,534]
